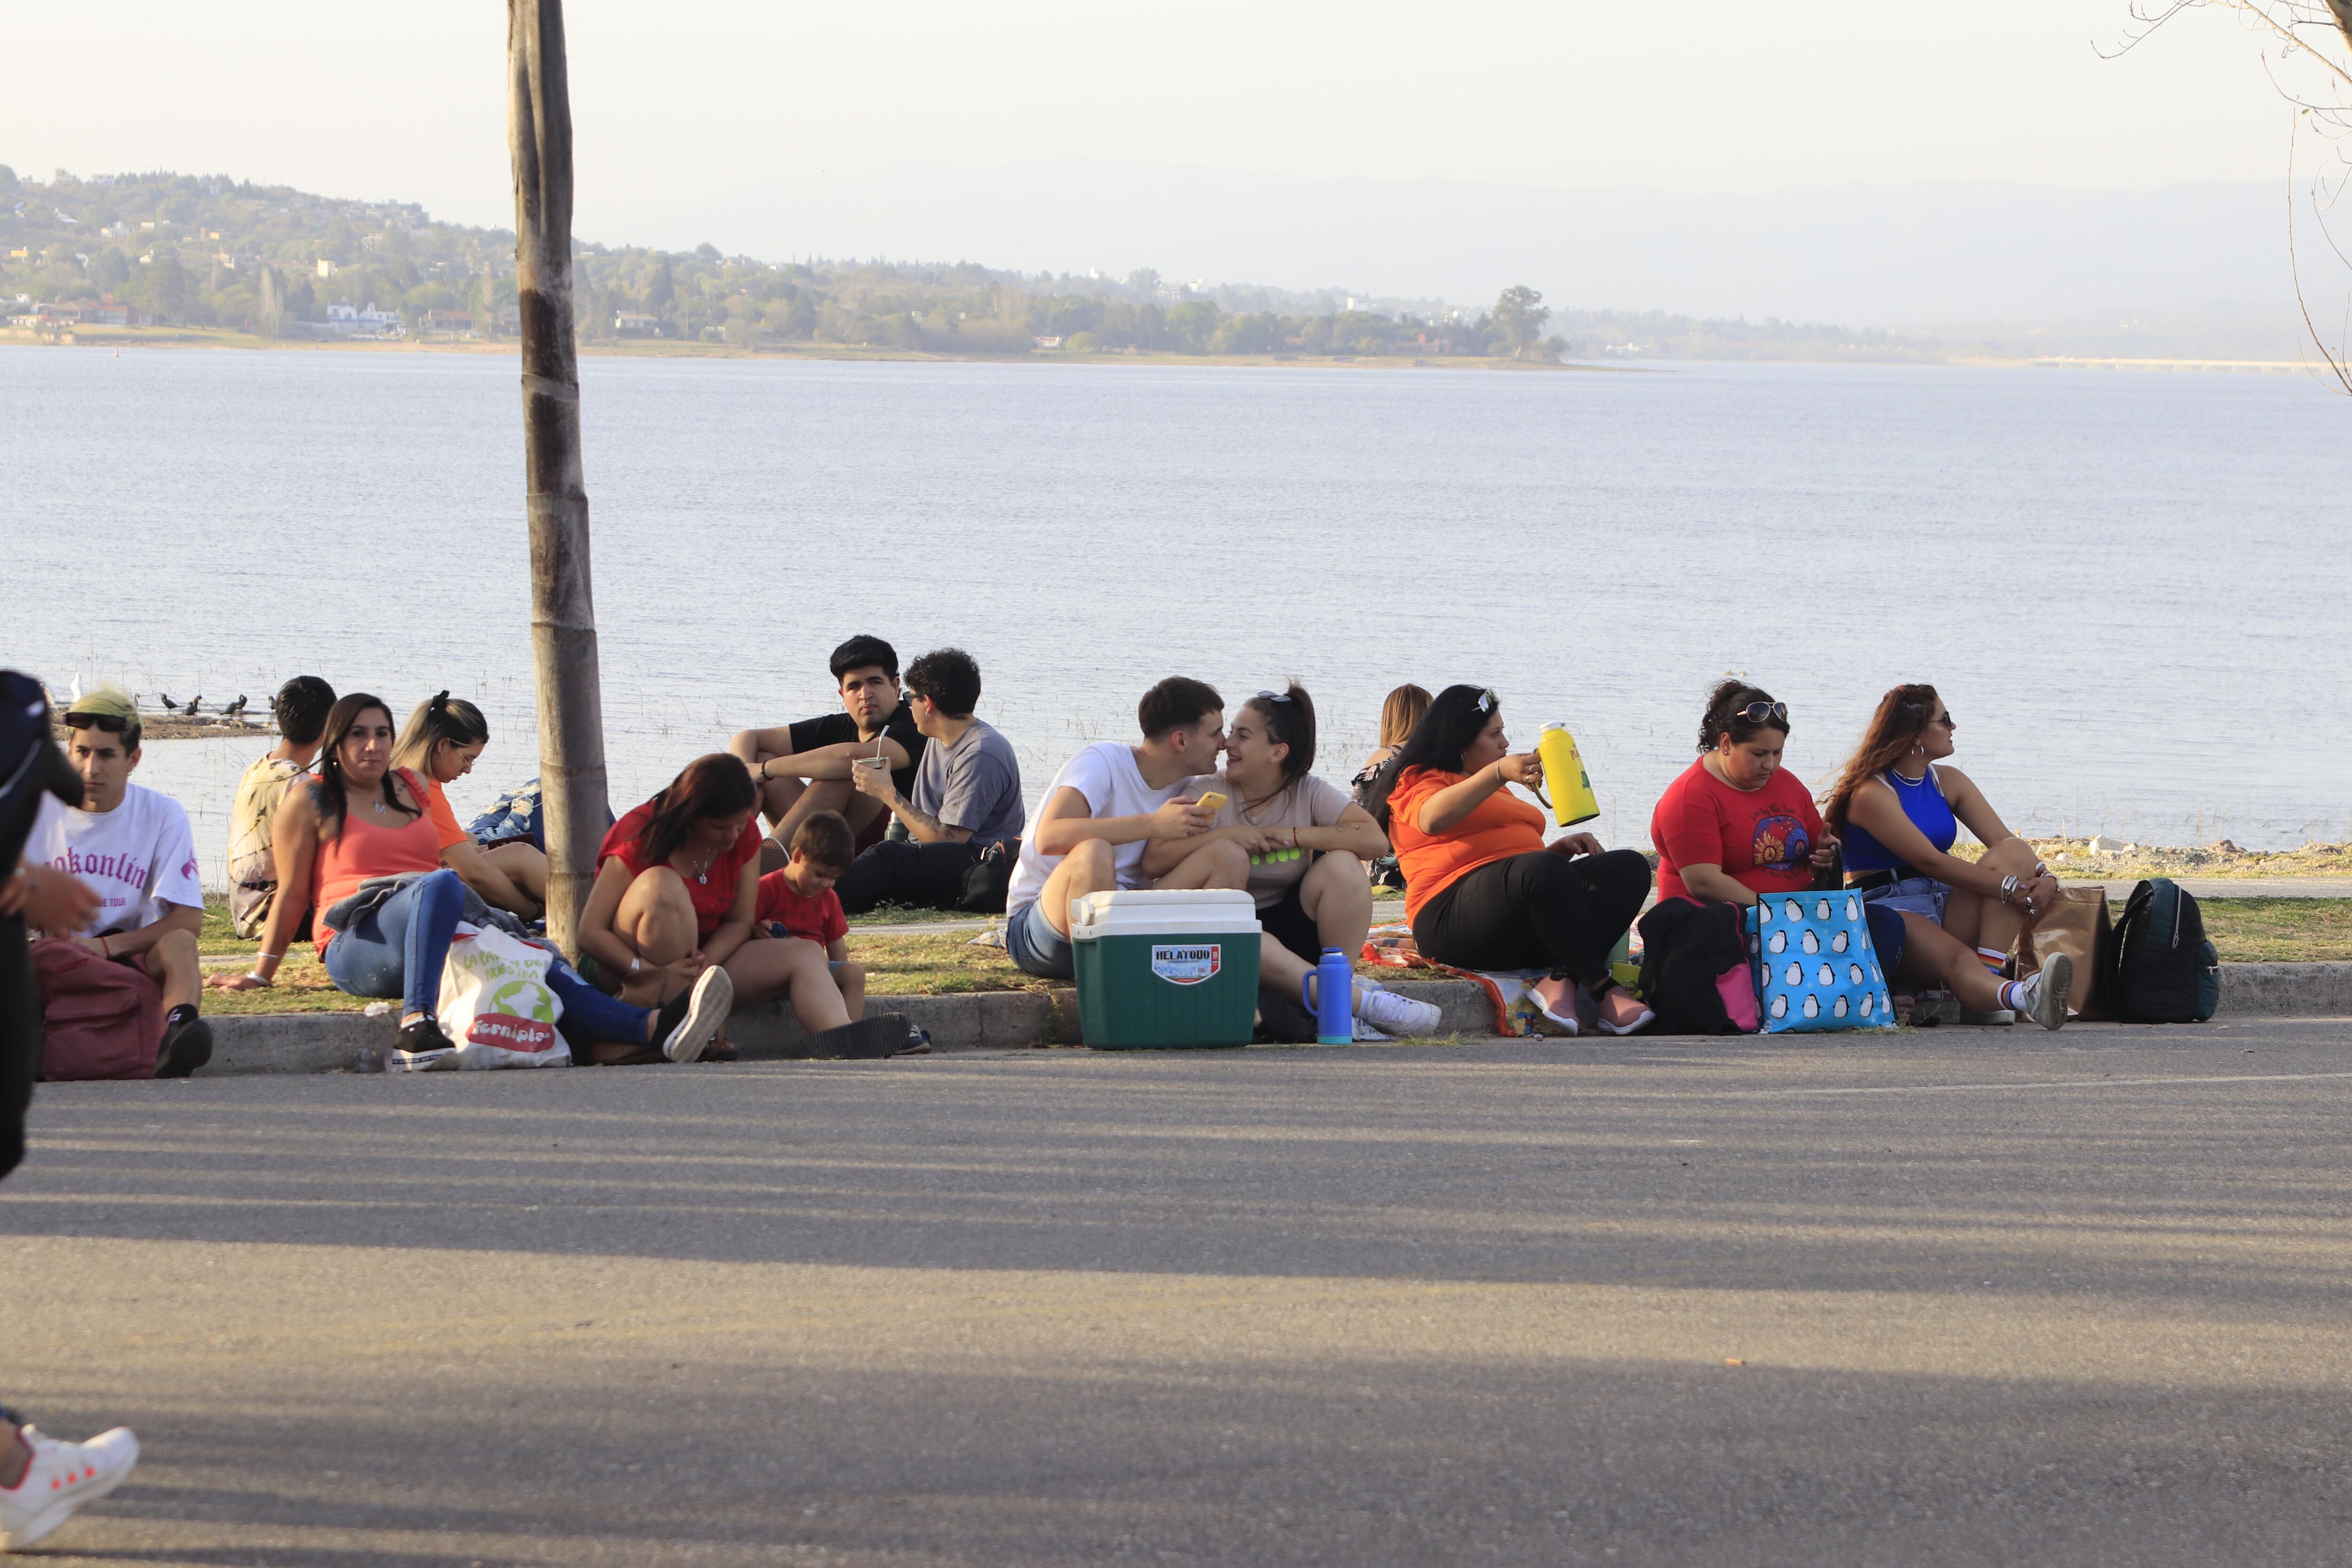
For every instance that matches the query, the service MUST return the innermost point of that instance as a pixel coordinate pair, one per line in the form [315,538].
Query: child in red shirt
[799,901]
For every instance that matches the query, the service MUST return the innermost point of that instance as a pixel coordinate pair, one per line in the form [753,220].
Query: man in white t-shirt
[1103,807]
[133,849]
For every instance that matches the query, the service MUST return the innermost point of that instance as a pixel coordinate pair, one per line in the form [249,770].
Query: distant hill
[212,250]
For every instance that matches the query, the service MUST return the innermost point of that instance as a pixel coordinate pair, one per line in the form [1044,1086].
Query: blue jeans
[1035,947]
[398,948]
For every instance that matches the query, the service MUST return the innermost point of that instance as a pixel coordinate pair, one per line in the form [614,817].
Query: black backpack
[1688,948]
[2160,968]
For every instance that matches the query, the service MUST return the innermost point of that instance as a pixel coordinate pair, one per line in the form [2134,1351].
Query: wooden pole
[562,607]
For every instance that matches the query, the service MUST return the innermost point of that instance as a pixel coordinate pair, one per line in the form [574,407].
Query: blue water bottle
[1329,993]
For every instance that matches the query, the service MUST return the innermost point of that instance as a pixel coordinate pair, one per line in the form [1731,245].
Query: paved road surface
[2000,1298]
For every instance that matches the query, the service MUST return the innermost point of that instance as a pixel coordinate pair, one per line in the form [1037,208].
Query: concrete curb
[1011,1020]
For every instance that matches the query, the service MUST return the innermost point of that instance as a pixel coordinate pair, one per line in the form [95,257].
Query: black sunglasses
[1275,696]
[113,723]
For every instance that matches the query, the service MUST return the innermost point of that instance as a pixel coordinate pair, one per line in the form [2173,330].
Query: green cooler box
[1166,970]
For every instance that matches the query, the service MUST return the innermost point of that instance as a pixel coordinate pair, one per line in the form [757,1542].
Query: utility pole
[563,606]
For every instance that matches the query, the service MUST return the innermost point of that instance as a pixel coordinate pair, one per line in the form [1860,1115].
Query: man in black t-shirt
[804,768]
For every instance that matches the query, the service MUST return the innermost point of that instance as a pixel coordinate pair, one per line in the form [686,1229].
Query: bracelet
[636,964]
[764,769]
[104,946]
[2008,888]
[259,978]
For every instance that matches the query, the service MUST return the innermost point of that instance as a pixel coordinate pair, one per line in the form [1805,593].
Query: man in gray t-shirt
[966,799]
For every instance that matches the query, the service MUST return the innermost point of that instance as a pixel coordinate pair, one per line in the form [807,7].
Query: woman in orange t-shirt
[1482,889]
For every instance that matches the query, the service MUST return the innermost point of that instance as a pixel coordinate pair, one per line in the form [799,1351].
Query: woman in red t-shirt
[1735,823]
[678,889]
[1482,889]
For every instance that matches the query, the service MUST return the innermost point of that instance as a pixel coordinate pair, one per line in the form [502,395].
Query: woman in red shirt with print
[677,891]
[1735,823]
[1482,889]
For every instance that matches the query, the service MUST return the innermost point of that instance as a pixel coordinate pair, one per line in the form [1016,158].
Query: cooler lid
[1143,911]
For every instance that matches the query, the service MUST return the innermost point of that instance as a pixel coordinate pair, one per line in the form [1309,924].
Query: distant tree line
[215,251]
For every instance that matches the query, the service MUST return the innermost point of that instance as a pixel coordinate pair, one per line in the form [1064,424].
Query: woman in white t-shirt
[1308,843]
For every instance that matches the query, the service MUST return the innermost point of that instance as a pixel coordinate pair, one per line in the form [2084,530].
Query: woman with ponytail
[1899,811]
[439,743]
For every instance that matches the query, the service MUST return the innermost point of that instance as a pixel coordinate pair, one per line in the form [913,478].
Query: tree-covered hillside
[210,250]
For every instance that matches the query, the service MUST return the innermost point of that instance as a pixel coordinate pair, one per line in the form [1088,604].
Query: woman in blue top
[1898,812]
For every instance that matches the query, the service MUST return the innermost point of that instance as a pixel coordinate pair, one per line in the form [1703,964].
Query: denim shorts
[1922,896]
[1034,945]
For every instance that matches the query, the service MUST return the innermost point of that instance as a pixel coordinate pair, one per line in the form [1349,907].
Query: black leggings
[923,875]
[20,1040]
[1538,911]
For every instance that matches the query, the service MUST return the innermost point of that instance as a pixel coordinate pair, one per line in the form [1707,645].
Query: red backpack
[101,1018]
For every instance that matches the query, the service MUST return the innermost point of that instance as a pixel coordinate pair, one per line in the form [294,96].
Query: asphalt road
[1955,1297]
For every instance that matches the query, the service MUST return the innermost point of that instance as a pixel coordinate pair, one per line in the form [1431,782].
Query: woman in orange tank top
[361,820]
[1482,889]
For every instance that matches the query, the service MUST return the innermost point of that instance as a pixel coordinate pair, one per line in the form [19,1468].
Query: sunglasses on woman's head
[1275,696]
[1757,713]
[1486,702]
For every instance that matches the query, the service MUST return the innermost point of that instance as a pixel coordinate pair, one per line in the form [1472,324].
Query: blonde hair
[1401,712]
[437,719]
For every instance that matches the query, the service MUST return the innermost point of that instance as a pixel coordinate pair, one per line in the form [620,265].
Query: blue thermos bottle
[1330,993]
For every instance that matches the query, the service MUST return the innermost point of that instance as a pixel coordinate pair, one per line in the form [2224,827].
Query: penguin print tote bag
[1815,969]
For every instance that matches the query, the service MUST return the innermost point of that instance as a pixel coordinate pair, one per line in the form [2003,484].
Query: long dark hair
[1723,715]
[713,785]
[439,718]
[1902,714]
[1456,717]
[1290,720]
[340,719]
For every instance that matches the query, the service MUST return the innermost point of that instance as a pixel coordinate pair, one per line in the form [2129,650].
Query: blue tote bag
[1815,969]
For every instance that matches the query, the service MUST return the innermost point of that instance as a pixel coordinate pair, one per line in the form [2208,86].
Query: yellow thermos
[1565,780]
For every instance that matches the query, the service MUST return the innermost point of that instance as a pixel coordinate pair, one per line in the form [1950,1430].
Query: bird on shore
[193,703]
[166,698]
[235,708]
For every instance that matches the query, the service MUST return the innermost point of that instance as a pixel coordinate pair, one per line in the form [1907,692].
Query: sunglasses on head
[1275,696]
[1486,702]
[113,723]
[1758,712]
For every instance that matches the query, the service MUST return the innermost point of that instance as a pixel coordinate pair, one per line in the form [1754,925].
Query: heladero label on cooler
[1187,964]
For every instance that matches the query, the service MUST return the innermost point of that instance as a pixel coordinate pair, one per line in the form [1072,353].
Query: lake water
[2133,590]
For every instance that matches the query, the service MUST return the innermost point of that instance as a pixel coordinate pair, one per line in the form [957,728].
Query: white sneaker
[1398,1015]
[60,1477]
[713,997]
[2045,992]
[1365,1032]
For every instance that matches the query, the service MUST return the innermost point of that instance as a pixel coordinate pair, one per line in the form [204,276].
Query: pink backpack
[101,1019]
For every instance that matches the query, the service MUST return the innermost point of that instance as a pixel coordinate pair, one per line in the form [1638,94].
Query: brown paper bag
[2080,928]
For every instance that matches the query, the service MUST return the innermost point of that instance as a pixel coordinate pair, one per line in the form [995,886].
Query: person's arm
[497,889]
[1162,855]
[830,761]
[921,825]
[838,949]
[1067,822]
[598,939]
[48,898]
[1449,805]
[1881,814]
[735,929]
[1710,883]
[293,845]
[123,944]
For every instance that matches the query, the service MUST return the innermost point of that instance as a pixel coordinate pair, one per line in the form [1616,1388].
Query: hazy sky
[678,102]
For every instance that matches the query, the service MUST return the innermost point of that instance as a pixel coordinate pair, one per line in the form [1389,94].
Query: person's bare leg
[524,865]
[1934,956]
[1091,868]
[656,921]
[850,980]
[820,794]
[172,964]
[1336,894]
[1977,920]
[768,967]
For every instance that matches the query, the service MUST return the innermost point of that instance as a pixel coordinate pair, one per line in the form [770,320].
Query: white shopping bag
[495,1005]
